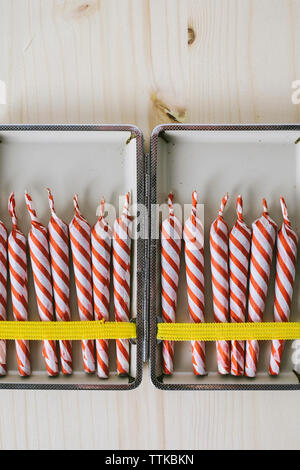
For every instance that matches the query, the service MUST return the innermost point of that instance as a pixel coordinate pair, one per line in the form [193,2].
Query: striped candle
[19,284]
[171,234]
[239,253]
[262,244]
[59,255]
[101,255]
[40,262]
[220,282]
[80,236]
[194,262]
[121,280]
[287,244]
[3,292]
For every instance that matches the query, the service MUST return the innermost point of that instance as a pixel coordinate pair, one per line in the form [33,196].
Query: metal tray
[92,161]
[254,160]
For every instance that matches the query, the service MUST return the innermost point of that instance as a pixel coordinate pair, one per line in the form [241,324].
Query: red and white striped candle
[19,285]
[171,235]
[239,254]
[101,255]
[3,292]
[121,281]
[262,244]
[220,282]
[287,244]
[40,262]
[80,236]
[193,235]
[59,256]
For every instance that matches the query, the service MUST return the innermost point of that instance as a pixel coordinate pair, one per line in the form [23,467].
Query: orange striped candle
[220,282]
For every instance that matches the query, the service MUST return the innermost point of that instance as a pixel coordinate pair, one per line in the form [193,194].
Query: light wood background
[145,62]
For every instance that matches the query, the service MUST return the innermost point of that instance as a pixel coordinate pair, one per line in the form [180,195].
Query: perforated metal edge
[154,251]
[141,265]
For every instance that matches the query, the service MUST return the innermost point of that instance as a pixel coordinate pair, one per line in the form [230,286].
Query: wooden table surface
[146,62]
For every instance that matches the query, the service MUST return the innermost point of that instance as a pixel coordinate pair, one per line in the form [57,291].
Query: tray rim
[157,131]
[131,385]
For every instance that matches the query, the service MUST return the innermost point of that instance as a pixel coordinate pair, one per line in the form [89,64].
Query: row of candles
[240,272]
[93,250]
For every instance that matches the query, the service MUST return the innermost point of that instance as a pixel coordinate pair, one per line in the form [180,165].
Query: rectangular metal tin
[169,135]
[132,136]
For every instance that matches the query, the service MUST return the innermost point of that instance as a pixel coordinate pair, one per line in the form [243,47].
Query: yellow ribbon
[227,331]
[75,330]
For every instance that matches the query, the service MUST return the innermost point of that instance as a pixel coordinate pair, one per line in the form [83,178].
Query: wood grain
[145,62]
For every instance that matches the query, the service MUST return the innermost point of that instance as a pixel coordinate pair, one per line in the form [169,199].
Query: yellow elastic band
[74,330]
[166,331]
[227,331]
